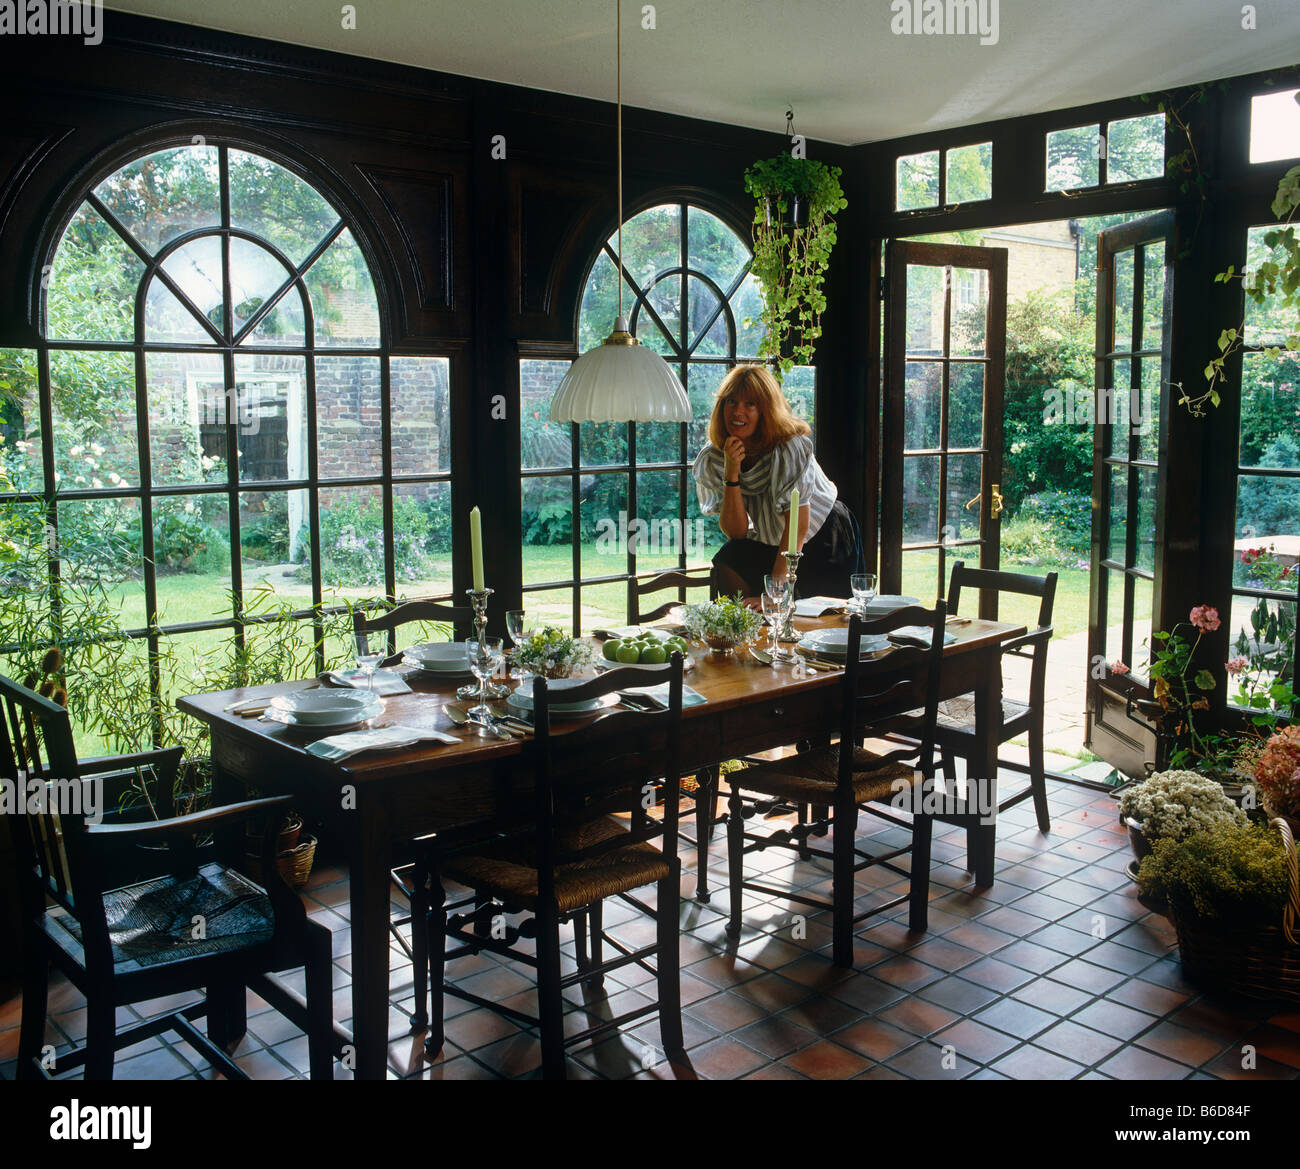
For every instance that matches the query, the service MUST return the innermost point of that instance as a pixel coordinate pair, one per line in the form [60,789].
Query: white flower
[96,448]
[1175,804]
[23,445]
[97,483]
[114,478]
[76,450]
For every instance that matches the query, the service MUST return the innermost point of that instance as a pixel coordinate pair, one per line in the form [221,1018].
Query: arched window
[688,294]
[212,412]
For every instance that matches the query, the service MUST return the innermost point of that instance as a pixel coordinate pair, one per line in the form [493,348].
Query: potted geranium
[1171,805]
[553,653]
[722,624]
[1278,774]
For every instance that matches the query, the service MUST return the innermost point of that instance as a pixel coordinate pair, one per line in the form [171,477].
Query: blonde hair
[776,422]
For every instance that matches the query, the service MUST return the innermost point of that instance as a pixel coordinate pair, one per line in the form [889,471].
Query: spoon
[461,719]
[761,656]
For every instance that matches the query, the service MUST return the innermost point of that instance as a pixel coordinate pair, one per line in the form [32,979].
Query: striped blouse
[766,488]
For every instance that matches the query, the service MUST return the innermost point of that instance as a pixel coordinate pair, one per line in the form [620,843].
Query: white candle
[476,546]
[794,520]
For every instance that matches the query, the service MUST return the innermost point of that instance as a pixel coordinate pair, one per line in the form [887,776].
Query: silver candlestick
[479,599]
[788,631]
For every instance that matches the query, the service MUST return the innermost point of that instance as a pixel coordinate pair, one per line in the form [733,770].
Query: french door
[945,347]
[1134,300]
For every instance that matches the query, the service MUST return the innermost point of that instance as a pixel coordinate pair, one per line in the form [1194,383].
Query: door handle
[972,502]
[995,502]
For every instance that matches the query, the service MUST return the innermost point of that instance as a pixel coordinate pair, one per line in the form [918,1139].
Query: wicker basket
[294,863]
[1261,963]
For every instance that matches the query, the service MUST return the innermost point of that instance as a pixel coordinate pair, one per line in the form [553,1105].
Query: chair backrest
[695,578]
[459,617]
[881,694]
[38,765]
[987,580]
[606,767]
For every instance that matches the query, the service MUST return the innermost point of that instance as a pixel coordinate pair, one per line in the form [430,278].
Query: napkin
[339,747]
[918,635]
[660,694]
[386,681]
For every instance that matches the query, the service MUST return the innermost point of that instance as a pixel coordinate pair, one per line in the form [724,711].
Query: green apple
[611,649]
[654,655]
[628,654]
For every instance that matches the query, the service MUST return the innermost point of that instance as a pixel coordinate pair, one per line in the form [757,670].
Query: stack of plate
[884,604]
[521,699]
[833,644]
[325,709]
[447,659]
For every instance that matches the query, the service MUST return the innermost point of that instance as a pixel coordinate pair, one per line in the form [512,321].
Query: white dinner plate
[835,642]
[883,604]
[440,657]
[524,704]
[339,721]
[322,707]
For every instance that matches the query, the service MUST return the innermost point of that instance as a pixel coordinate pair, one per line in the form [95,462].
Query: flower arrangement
[721,624]
[1171,805]
[1278,773]
[553,653]
[1231,873]
[1177,696]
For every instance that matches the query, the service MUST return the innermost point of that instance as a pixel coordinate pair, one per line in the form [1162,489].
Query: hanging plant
[794,232]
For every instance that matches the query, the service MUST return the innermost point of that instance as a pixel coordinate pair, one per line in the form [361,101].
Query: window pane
[164,195]
[351,542]
[343,296]
[658,505]
[665,297]
[1268,323]
[658,442]
[1153,303]
[800,388]
[1268,508]
[969,312]
[604,503]
[599,304]
[746,305]
[969,176]
[543,443]
[274,535]
[1142,590]
[349,427]
[1274,126]
[917,181]
[1263,634]
[963,486]
[922,395]
[272,419]
[255,275]
[713,248]
[602,606]
[284,324]
[421,404]
[92,283]
[652,243]
[100,546]
[965,404]
[1072,158]
[422,538]
[1117,542]
[702,304]
[1270,408]
[1124,269]
[1146,518]
[269,201]
[196,269]
[1115,408]
[20,422]
[166,319]
[187,418]
[1147,423]
[1135,149]
[191,539]
[546,526]
[920,499]
[602,443]
[920,574]
[702,383]
[93,403]
[552,607]
[925,297]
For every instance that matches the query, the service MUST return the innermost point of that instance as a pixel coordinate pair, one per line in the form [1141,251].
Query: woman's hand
[755,603]
[733,454]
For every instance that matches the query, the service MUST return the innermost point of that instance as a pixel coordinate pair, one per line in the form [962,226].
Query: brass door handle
[972,502]
[995,502]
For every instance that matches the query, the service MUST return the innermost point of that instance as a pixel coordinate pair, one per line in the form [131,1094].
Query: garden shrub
[352,542]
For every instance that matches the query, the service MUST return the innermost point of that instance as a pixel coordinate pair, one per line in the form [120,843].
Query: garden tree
[1269,505]
[1270,404]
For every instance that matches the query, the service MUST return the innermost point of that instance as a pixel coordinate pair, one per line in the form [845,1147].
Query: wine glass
[777,588]
[774,611]
[484,661]
[518,635]
[863,585]
[368,662]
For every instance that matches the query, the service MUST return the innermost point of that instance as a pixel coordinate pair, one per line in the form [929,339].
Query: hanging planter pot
[793,232]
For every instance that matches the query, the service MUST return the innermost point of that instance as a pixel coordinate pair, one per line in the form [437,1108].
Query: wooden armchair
[120,939]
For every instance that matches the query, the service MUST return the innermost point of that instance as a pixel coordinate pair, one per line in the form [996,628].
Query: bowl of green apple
[646,650]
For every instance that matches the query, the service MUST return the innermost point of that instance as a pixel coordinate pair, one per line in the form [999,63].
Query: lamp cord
[618,4]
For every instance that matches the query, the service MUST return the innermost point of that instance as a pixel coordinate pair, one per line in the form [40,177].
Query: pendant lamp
[620,380]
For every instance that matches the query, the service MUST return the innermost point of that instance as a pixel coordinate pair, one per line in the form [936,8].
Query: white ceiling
[849,78]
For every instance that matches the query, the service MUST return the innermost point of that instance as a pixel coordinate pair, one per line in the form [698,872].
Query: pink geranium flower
[1238,665]
[1118,668]
[1205,618]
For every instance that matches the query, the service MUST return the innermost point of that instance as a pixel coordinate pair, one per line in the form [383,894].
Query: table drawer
[780,720]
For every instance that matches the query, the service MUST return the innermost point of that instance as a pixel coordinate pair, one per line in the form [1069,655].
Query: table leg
[982,776]
[371,858]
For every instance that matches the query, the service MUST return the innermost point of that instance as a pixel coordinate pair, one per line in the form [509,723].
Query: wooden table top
[725,683]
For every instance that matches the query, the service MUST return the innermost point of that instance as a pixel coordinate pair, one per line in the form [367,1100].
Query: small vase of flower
[553,653]
[722,625]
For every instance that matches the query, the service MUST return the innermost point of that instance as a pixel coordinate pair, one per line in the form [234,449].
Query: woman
[758,453]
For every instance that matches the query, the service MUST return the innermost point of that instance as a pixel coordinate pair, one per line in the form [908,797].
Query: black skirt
[828,560]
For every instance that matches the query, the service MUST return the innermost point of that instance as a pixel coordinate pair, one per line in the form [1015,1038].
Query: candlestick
[793,545]
[476,547]
[479,599]
[788,631]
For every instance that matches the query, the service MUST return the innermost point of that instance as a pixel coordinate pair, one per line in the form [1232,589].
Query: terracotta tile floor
[1009,982]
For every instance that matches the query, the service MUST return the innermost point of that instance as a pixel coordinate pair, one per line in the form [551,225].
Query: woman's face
[741,415]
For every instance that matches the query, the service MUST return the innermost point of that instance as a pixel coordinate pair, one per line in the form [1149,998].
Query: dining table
[375,804]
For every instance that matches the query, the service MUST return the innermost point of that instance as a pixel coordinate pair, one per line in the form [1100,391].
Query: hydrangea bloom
[1278,772]
[1174,804]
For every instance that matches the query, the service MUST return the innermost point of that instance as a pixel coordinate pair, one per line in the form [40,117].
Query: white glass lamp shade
[620,381]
